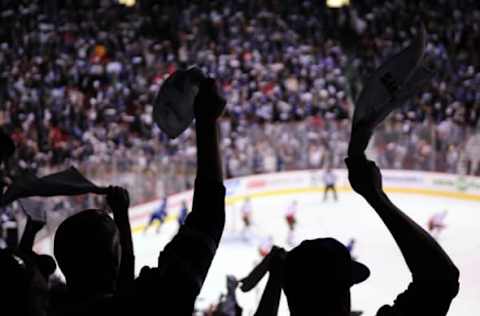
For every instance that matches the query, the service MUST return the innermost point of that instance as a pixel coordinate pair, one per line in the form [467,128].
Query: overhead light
[127,3]
[337,3]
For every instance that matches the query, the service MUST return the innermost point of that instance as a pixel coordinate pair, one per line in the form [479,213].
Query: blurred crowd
[78,79]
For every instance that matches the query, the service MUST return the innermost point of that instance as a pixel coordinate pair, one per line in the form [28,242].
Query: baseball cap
[326,260]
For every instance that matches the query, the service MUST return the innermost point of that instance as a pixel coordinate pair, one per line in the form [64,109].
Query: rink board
[419,194]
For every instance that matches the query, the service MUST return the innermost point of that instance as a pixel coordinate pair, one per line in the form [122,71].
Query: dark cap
[324,264]
[326,260]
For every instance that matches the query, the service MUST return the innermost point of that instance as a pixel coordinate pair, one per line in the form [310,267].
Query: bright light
[337,3]
[127,3]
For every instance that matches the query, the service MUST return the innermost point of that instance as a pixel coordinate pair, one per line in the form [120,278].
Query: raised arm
[187,258]
[119,202]
[208,208]
[435,276]
[208,108]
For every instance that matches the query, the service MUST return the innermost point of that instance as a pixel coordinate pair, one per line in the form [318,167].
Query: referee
[329,180]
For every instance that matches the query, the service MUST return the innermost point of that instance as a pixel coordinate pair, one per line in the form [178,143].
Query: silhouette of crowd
[78,79]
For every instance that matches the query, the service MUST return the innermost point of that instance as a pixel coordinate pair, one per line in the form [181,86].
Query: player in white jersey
[436,223]
[246,211]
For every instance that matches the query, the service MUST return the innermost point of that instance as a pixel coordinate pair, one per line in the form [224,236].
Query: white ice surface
[349,217]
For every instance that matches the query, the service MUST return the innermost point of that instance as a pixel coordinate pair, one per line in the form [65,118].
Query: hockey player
[350,246]
[291,219]
[160,214]
[246,211]
[436,224]
[182,214]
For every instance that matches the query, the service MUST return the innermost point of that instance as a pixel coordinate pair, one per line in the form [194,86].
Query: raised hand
[209,104]
[364,176]
[118,199]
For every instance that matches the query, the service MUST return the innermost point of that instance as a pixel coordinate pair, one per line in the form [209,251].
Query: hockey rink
[350,217]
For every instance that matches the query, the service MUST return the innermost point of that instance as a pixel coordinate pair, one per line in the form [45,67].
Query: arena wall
[292,182]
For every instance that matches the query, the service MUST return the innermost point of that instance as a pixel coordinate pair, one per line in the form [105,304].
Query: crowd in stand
[78,80]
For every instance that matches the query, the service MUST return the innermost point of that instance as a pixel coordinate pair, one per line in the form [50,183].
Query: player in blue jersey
[160,214]
[182,214]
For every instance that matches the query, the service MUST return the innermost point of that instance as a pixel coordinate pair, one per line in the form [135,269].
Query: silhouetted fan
[324,262]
